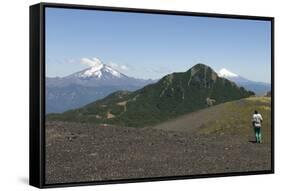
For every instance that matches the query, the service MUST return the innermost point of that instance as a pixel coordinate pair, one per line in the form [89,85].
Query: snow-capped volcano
[88,85]
[100,71]
[98,74]
[258,87]
[225,73]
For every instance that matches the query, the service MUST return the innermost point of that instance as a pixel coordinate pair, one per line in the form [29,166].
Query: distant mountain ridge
[260,88]
[102,75]
[173,95]
[88,85]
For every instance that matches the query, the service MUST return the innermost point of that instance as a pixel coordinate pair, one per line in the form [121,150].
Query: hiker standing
[257,120]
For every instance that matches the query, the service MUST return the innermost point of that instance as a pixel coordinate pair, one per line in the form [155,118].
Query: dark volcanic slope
[76,153]
[173,95]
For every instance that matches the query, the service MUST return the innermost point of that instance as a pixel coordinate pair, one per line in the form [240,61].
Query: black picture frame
[37,93]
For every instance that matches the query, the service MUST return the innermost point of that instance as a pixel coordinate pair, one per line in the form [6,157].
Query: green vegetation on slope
[172,96]
[232,117]
[235,117]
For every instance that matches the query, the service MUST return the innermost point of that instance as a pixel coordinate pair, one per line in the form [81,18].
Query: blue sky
[151,46]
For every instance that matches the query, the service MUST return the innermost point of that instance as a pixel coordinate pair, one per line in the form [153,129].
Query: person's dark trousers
[258,134]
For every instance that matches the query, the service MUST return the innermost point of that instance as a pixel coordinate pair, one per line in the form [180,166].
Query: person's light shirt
[257,119]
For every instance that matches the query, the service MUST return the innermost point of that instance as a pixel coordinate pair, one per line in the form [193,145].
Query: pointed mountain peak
[111,70]
[226,73]
[202,69]
[93,71]
[97,70]
[200,65]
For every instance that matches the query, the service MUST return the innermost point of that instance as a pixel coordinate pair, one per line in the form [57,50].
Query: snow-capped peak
[99,71]
[93,71]
[112,71]
[225,73]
